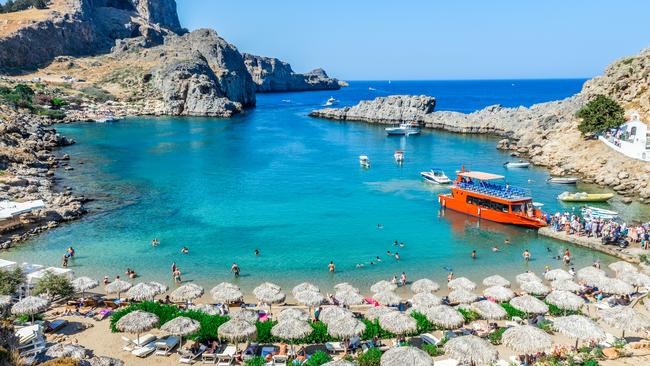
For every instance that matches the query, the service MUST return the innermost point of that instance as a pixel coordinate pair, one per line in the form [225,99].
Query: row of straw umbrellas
[293,322]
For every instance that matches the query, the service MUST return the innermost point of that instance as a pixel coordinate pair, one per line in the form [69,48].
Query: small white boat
[599,213]
[561,180]
[331,101]
[435,176]
[404,129]
[371,88]
[516,164]
[364,161]
[399,156]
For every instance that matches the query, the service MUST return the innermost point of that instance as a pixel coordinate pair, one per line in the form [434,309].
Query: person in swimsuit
[331,267]
[473,254]
[397,256]
[257,252]
[526,255]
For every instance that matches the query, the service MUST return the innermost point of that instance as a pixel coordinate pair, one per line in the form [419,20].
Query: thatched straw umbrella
[117,287]
[579,327]
[291,330]
[526,340]
[348,298]
[247,315]
[187,292]
[137,322]
[309,298]
[305,286]
[622,266]
[406,356]
[636,279]
[625,319]
[339,363]
[425,299]
[330,313]
[141,292]
[387,298]
[83,284]
[293,313]
[461,282]
[489,310]
[424,285]
[223,285]
[30,305]
[382,286]
[615,286]
[527,277]
[397,323]
[205,308]
[471,350]
[499,293]
[557,274]
[5,300]
[565,300]
[269,293]
[565,285]
[344,286]
[445,316]
[590,275]
[226,294]
[375,312]
[535,288]
[160,288]
[181,326]
[462,296]
[529,305]
[345,328]
[496,280]
[236,330]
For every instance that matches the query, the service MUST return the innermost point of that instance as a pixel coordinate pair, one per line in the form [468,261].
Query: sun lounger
[189,357]
[225,360]
[446,362]
[502,362]
[209,358]
[429,338]
[280,360]
[145,350]
[228,351]
[334,347]
[55,325]
[165,345]
[131,344]
[609,341]
[250,351]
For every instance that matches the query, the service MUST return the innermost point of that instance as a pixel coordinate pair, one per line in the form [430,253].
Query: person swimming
[185,250]
[507,241]
[388,253]
[397,256]
[257,252]
[380,226]
[473,254]
[155,242]
[495,248]
[401,245]
[360,265]
[395,243]
[378,259]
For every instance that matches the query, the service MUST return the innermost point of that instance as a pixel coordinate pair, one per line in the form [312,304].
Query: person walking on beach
[331,267]
[403,279]
[526,255]
[450,276]
[235,269]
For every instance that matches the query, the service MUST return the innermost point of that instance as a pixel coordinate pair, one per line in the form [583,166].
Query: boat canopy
[481,175]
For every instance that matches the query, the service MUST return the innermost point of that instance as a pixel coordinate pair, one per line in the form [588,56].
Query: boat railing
[496,190]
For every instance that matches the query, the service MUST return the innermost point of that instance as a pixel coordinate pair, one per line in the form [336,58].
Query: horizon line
[478,79]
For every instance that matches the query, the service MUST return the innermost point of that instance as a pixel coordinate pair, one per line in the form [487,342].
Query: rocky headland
[274,75]
[545,133]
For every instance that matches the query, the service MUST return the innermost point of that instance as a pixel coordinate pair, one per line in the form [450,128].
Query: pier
[591,243]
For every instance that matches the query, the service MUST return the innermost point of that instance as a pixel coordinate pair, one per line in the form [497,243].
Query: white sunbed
[165,345]
[228,351]
[145,350]
[501,362]
[131,344]
[225,360]
[334,347]
[189,357]
[446,362]
[280,360]
[429,338]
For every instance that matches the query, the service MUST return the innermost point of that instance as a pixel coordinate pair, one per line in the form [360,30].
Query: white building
[631,139]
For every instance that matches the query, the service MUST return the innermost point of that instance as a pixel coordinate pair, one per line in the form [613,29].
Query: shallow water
[291,186]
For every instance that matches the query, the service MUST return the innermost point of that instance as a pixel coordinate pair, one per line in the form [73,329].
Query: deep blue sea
[289,185]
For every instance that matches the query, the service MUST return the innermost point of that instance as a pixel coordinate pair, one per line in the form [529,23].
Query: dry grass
[65,361]
[11,22]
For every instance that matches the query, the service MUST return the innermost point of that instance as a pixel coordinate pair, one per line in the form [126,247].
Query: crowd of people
[605,229]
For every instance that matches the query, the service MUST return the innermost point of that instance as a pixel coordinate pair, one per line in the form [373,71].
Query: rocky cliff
[32,38]
[273,75]
[546,133]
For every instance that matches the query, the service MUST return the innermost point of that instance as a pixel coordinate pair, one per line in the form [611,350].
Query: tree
[54,285]
[10,280]
[39,4]
[600,114]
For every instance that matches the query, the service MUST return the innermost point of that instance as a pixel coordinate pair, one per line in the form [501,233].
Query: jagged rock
[59,350]
[102,361]
[273,75]
[386,110]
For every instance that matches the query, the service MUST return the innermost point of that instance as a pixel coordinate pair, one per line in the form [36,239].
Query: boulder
[273,75]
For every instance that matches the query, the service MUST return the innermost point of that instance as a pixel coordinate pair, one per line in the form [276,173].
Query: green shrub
[256,361]
[546,325]
[495,337]
[555,311]
[18,97]
[512,312]
[371,357]
[590,362]
[264,332]
[10,280]
[432,350]
[318,359]
[600,114]
[469,315]
[54,285]
[28,318]
[97,94]
[423,324]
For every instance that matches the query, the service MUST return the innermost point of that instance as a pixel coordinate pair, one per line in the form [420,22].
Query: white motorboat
[562,180]
[371,88]
[331,101]
[404,129]
[435,176]
[516,164]
[598,213]
[364,161]
[399,156]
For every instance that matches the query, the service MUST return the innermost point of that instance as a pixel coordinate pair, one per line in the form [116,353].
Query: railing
[496,190]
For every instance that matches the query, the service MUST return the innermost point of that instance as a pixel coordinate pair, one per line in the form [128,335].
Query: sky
[420,39]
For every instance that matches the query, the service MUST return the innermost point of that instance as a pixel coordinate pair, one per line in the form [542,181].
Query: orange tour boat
[487,196]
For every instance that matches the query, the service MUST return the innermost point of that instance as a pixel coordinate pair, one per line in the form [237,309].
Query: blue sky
[420,39]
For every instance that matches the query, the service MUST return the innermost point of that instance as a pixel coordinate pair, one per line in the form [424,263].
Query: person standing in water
[235,269]
[403,279]
[450,276]
[331,267]
[526,255]
[397,256]
[173,268]
[473,254]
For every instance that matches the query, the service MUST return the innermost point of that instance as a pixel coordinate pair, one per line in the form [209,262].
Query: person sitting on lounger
[195,347]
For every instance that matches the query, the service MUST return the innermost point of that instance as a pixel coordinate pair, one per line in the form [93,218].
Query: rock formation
[81,27]
[546,133]
[273,75]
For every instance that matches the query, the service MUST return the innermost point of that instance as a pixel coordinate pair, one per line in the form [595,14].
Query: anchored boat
[516,164]
[399,156]
[364,161]
[404,129]
[598,213]
[562,180]
[487,196]
[435,176]
[584,197]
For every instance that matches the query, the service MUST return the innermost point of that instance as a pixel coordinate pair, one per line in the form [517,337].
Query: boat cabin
[632,138]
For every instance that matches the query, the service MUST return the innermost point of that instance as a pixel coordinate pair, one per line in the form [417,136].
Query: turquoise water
[291,186]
